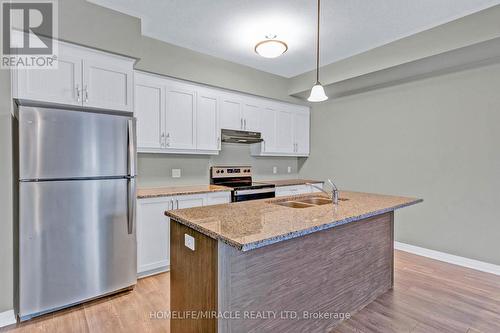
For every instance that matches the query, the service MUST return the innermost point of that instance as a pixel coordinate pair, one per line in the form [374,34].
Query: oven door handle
[255,191]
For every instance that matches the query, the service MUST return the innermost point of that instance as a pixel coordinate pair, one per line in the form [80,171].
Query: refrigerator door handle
[132,148]
[131,205]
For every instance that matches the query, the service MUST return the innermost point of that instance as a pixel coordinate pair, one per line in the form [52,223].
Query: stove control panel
[227,172]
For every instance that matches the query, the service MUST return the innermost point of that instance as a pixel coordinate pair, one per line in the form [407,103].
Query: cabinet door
[62,85]
[107,83]
[268,129]
[217,198]
[153,235]
[301,132]
[251,116]
[180,117]
[149,102]
[207,121]
[230,113]
[189,201]
[284,131]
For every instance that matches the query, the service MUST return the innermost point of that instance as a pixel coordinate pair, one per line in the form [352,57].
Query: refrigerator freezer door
[64,144]
[74,242]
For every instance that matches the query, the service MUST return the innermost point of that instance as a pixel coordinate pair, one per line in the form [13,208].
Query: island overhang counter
[266,267]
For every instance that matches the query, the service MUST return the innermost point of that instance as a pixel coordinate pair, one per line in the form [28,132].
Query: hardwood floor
[428,296]
[125,312]
[432,296]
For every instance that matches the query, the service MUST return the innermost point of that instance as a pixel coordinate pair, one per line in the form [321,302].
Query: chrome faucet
[334,193]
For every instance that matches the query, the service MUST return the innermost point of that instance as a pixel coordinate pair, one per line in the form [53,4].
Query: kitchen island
[291,264]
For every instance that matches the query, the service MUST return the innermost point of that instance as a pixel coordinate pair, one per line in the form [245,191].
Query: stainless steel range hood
[244,137]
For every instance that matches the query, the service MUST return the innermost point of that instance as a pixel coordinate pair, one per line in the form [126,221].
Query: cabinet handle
[162,140]
[172,203]
[168,140]
[241,123]
[176,204]
[245,123]
[86,91]
[78,96]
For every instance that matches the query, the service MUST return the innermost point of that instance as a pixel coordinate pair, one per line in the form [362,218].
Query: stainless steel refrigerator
[76,200]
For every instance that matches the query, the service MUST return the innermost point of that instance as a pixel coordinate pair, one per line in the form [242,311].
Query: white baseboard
[7,318]
[449,258]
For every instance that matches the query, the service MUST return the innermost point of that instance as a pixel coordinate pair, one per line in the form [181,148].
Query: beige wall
[436,139]
[155,169]
[90,25]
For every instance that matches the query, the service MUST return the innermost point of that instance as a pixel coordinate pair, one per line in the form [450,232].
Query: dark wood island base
[304,284]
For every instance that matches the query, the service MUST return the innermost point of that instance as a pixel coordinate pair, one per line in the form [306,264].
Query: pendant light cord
[317,48]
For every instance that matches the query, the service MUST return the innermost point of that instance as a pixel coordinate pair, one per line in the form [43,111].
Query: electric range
[239,178]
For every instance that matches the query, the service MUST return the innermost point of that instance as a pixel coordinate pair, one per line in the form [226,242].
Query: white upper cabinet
[284,131]
[207,121]
[62,85]
[175,117]
[83,77]
[250,113]
[301,132]
[149,106]
[230,112]
[180,117]
[240,113]
[268,130]
[185,118]
[107,83]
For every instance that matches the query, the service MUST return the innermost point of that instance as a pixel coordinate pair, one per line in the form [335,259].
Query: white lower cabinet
[283,191]
[153,234]
[153,227]
[218,198]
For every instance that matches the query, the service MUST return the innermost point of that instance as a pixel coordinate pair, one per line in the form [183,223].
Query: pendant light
[317,91]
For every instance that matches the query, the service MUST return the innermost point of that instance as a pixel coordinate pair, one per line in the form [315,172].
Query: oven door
[253,194]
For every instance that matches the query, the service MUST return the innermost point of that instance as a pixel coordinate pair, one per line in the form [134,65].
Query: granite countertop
[289,182]
[253,224]
[154,192]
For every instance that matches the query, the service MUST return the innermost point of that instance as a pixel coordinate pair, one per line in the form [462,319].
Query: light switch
[289,169]
[189,242]
[275,169]
[176,173]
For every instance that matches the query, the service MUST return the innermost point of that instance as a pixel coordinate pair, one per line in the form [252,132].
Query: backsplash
[156,169]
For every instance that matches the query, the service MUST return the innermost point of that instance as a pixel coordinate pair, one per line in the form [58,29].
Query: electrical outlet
[275,169]
[189,242]
[176,173]
[289,169]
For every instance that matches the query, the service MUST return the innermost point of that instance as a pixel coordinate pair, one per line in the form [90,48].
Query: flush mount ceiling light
[317,91]
[271,47]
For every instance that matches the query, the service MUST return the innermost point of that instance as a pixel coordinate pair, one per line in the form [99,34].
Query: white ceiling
[229,29]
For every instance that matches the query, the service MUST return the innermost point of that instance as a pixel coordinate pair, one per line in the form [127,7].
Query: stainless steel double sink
[307,202]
